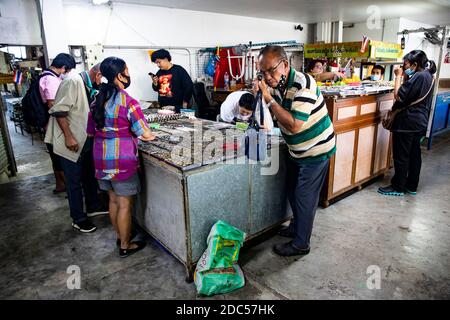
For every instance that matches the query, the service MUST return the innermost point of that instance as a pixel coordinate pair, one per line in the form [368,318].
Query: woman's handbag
[389,117]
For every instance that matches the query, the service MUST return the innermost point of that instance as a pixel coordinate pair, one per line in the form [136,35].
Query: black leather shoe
[286,232]
[288,249]
[123,253]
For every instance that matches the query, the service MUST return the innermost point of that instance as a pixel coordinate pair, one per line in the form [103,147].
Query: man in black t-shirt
[172,82]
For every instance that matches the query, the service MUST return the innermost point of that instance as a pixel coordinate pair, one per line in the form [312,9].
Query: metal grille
[202,56]
[202,59]
[3,154]
[4,161]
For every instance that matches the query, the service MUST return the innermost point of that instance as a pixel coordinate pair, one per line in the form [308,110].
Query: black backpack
[35,111]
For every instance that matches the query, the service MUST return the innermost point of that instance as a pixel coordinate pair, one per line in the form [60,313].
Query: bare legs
[120,214]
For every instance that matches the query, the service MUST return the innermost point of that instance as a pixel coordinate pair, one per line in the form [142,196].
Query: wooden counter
[363,145]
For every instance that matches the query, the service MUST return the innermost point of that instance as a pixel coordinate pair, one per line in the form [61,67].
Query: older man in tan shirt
[67,133]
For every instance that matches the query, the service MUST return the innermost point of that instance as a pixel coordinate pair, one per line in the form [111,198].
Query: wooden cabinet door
[381,161]
[364,153]
[343,162]
[383,139]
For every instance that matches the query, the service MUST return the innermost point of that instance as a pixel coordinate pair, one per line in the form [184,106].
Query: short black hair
[64,60]
[161,54]
[381,68]
[247,101]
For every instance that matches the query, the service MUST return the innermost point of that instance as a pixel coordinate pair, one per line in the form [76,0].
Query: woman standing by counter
[410,124]
[116,121]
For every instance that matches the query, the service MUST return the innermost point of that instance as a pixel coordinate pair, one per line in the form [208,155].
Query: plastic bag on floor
[217,271]
[224,243]
[219,281]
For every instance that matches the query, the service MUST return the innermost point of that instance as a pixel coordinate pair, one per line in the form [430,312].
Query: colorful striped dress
[115,146]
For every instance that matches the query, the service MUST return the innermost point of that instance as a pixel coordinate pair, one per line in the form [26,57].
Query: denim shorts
[129,187]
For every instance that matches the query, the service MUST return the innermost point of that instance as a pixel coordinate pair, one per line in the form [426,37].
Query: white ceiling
[311,11]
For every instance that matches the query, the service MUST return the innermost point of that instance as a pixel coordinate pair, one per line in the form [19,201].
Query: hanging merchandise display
[217,72]
[241,64]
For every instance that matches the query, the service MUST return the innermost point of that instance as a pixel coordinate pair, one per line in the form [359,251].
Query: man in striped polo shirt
[302,116]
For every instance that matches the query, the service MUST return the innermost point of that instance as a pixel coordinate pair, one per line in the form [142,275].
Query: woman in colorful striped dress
[116,121]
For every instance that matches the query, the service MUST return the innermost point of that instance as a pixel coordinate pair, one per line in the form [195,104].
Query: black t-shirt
[174,87]
[415,117]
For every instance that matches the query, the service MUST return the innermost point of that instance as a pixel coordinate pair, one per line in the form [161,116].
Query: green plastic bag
[217,271]
[224,243]
[219,281]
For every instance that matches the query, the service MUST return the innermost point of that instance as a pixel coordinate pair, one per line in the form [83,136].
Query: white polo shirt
[230,110]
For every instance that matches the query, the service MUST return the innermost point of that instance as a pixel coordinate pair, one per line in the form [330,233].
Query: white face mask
[65,75]
[245,117]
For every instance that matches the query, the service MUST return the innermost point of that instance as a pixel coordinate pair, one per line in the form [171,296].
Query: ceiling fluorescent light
[99,2]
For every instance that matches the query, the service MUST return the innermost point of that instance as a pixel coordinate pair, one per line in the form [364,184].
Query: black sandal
[133,235]
[123,253]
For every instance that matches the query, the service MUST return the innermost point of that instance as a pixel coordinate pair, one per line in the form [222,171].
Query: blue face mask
[409,72]
[375,77]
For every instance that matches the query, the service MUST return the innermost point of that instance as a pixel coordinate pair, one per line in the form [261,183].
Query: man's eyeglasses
[272,70]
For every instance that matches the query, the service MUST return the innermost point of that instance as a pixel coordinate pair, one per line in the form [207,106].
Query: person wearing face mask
[66,132]
[302,116]
[48,86]
[116,121]
[413,89]
[377,73]
[239,107]
[172,82]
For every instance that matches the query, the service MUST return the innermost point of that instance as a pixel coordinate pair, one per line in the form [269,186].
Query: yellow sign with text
[335,50]
[385,50]
[377,50]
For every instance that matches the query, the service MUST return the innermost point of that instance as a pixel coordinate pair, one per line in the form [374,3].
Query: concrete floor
[407,238]
[31,160]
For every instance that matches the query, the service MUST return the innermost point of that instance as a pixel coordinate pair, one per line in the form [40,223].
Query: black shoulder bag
[389,117]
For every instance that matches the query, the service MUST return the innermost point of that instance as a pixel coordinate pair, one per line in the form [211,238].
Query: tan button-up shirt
[70,100]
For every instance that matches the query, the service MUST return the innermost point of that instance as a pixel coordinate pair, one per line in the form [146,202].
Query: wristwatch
[271,102]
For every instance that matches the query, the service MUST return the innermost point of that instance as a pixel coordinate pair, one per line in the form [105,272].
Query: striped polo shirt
[315,141]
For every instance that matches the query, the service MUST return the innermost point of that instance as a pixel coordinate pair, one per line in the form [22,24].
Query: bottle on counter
[226,81]
[233,84]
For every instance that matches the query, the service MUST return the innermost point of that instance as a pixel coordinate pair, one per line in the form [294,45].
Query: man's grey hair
[277,51]
[96,68]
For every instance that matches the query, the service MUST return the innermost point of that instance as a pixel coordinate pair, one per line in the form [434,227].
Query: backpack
[35,111]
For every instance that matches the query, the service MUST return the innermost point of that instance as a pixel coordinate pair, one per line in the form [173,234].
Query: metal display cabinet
[178,206]
[441,117]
